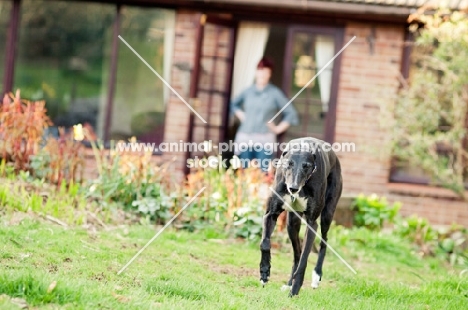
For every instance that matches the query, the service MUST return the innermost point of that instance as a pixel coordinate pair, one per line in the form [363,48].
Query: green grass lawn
[182,270]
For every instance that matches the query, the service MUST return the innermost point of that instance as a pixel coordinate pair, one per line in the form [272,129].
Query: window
[141,97]
[62,57]
[308,53]
[5,10]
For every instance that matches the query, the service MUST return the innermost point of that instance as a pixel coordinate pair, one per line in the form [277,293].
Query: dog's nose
[293,190]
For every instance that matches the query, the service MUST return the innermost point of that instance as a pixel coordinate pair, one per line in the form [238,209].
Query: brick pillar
[366,79]
[177,113]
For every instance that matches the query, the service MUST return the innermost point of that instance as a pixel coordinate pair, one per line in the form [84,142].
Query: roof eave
[329,7]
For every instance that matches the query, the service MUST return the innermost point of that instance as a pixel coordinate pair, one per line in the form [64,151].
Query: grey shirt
[260,106]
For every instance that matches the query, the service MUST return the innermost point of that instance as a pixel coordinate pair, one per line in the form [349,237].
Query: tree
[429,114]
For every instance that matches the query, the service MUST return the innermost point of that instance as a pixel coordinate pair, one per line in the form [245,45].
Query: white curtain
[250,46]
[169,36]
[324,51]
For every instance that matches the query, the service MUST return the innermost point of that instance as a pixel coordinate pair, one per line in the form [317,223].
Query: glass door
[308,51]
[213,88]
[139,106]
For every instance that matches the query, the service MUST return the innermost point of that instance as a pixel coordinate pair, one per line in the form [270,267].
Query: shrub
[452,245]
[418,231]
[449,244]
[59,160]
[134,181]
[373,211]
[19,192]
[234,187]
[248,220]
[427,118]
[233,200]
[22,125]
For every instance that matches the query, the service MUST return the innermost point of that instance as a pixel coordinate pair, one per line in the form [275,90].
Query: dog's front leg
[274,209]
[301,268]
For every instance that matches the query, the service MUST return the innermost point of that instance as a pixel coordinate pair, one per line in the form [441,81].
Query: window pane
[310,53]
[5,11]
[63,51]
[141,97]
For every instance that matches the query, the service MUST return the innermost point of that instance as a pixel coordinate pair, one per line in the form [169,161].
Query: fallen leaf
[51,287]
[120,298]
[24,255]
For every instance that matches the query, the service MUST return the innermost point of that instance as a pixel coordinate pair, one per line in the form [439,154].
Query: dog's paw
[264,276]
[315,280]
[292,294]
[286,287]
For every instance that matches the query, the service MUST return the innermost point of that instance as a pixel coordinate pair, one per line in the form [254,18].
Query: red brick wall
[364,78]
[438,210]
[177,113]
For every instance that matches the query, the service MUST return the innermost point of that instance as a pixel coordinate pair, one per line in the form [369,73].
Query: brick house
[207,51]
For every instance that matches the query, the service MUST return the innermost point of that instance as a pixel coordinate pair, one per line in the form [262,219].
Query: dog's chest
[299,204]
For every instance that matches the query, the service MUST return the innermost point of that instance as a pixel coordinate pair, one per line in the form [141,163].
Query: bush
[20,192]
[135,182]
[59,160]
[22,125]
[427,118]
[248,221]
[234,200]
[418,231]
[373,211]
[452,245]
[448,244]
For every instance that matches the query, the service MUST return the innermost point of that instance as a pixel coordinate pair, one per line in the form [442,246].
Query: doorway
[298,53]
[308,51]
[212,84]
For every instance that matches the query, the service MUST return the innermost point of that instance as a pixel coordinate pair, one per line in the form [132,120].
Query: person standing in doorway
[255,107]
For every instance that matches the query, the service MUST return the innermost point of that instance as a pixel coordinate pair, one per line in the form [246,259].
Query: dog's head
[297,166]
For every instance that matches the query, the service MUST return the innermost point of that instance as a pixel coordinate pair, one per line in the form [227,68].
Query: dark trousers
[263,158]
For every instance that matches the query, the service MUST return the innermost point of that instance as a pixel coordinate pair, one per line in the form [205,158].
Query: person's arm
[236,106]
[289,114]
[280,128]
[240,115]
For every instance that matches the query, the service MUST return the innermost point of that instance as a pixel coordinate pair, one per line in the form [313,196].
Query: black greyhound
[308,179]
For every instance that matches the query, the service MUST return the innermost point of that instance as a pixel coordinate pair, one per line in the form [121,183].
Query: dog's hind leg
[294,226]
[274,209]
[332,196]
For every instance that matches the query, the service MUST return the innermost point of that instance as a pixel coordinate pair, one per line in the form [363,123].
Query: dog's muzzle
[292,190]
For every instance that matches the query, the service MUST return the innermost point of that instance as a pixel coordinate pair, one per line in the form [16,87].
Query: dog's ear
[286,150]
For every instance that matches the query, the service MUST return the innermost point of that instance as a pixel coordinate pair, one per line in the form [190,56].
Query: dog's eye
[306,165]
